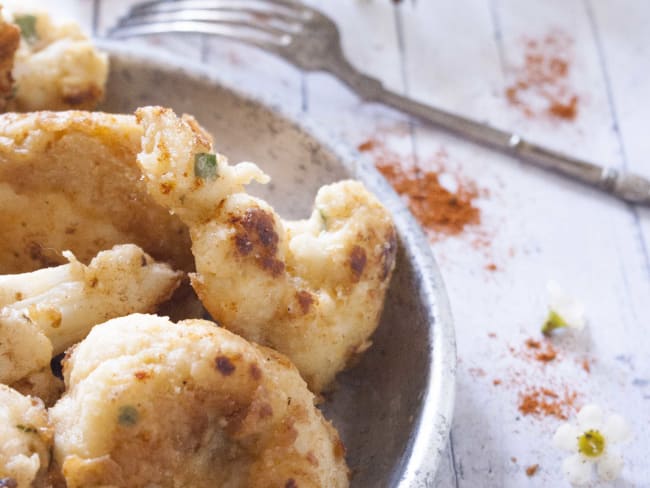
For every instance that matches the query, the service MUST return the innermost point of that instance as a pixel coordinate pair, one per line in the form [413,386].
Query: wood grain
[461,55]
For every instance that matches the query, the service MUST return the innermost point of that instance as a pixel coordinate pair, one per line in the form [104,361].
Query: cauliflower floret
[54,308]
[311,289]
[56,67]
[153,403]
[25,440]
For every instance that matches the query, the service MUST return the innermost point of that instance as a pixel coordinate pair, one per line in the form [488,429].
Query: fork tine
[235,19]
[286,7]
[236,33]
[260,15]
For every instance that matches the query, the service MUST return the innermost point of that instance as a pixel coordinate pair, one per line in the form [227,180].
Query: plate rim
[432,428]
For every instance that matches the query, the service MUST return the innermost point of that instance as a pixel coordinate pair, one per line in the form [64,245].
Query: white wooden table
[461,55]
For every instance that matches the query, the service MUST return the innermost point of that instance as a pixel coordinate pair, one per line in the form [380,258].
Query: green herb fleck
[128,416]
[205,166]
[591,443]
[323,218]
[27,429]
[553,321]
[27,24]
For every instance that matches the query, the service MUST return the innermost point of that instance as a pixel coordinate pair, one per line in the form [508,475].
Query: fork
[308,39]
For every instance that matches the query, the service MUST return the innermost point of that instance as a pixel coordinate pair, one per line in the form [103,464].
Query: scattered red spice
[543,401]
[532,469]
[541,85]
[513,459]
[491,267]
[565,110]
[586,366]
[492,335]
[548,354]
[496,382]
[435,207]
[477,372]
[368,145]
[438,209]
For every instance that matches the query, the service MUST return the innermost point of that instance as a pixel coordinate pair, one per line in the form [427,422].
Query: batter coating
[25,440]
[55,66]
[312,289]
[154,403]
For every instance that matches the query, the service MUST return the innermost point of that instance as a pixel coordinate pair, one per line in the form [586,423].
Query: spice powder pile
[550,397]
[540,401]
[541,85]
[438,209]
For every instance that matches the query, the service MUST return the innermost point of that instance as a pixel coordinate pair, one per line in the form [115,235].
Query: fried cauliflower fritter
[69,180]
[25,440]
[154,403]
[46,311]
[311,289]
[56,66]
[9,42]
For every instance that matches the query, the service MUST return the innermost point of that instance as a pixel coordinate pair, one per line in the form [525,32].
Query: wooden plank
[624,44]
[539,227]
[461,76]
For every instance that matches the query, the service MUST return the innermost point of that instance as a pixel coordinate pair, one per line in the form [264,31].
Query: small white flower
[564,311]
[590,441]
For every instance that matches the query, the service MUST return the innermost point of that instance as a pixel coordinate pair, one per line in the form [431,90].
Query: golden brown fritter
[69,180]
[25,440]
[44,312]
[153,403]
[56,66]
[41,384]
[311,289]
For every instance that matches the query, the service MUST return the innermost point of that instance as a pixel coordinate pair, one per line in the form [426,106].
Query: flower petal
[616,429]
[570,312]
[566,437]
[574,315]
[590,417]
[610,466]
[577,469]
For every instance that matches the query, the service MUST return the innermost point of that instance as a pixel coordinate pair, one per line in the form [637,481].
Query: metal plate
[394,408]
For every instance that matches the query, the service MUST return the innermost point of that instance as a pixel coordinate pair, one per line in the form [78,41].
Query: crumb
[366,145]
[513,459]
[496,382]
[546,356]
[492,335]
[586,366]
[533,344]
[491,267]
[532,469]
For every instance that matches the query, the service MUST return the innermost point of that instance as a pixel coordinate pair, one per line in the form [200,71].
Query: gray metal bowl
[394,408]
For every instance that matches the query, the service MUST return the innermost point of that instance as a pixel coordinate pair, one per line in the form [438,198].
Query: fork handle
[626,186]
